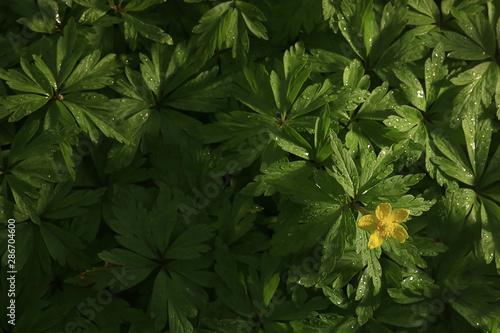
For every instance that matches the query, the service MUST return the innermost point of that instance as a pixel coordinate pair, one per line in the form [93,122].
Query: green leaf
[18,81]
[344,169]
[60,243]
[211,16]
[159,300]
[358,16]
[63,204]
[147,30]
[412,88]
[327,323]
[373,270]
[354,76]
[490,244]
[253,18]
[93,14]
[21,105]
[126,258]
[408,117]
[478,29]
[270,286]
[435,73]
[428,12]
[480,84]
[91,73]
[138,5]
[405,49]
[189,244]
[391,188]
[477,138]
[491,175]
[461,47]
[456,165]
[392,23]
[334,246]
[205,93]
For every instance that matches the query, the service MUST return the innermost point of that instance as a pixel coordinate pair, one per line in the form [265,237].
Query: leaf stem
[362,210]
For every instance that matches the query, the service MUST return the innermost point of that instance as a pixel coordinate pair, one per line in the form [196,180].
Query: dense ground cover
[231,166]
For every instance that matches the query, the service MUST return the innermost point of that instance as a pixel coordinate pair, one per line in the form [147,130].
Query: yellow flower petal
[375,240]
[368,222]
[399,215]
[383,211]
[399,234]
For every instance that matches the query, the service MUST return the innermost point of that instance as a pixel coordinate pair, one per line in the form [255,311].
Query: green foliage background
[199,166]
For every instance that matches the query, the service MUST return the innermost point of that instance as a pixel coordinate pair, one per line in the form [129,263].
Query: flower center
[385,228]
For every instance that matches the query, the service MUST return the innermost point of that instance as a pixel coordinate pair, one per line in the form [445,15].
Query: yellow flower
[384,223]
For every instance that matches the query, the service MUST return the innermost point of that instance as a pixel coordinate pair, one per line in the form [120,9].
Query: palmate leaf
[305,229]
[28,165]
[322,148]
[352,93]
[357,18]
[480,83]
[406,49]
[478,29]
[480,44]
[474,292]
[91,112]
[48,242]
[412,88]
[229,171]
[65,86]
[413,122]
[226,26]
[391,188]
[59,203]
[344,168]
[166,82]
[247,135]
[173,83]
[61,245]
[44,19]
[132,24]
[248,296]
[177,250]
[363,130]
[282,99]
[376,38]
[467,169]
[461,47]
[285,82]
[167,294]
[289,20]
[314,220]
[425,12]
